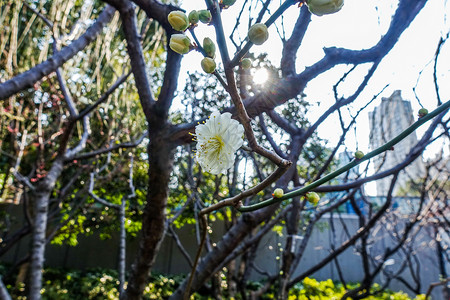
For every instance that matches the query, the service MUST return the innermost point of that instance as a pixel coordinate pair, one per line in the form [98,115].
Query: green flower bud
[209,47]
[178,20]
[312,197]
[278,193]
[179,43]
[359,154]
[246,63]
[324,7]
[193,17]
[423,112]
[204,16]
[208,65]
[228,2]
[258,34]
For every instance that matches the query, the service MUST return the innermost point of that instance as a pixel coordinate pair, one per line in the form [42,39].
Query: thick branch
[134,49]
[291,46]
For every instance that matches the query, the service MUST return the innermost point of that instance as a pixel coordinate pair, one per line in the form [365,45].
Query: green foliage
[102,284]
[311,289]
[69,232]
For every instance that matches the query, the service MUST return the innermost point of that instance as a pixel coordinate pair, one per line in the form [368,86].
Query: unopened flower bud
[324,7]
[278,193]
[193,17]
[228,2]
[258,34]
[246,63]
[178,20]
[312,197]
[209,47]
[208,65]
[204,16]
[359,154]
[423,112]
[179,43]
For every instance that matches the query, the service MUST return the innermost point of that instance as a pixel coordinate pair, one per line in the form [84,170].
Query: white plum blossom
[218,139]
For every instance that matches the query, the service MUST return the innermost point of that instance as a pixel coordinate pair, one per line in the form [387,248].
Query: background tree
[74,115]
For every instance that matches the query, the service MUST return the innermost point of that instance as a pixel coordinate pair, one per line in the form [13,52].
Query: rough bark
[154,219]
[122,247]
[160,150]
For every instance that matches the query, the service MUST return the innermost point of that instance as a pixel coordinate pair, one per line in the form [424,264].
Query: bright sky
[359,25]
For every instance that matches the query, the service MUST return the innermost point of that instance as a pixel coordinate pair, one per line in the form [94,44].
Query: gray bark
[122,247]
[4,295]
[160,150]
[154,223]
[41,199]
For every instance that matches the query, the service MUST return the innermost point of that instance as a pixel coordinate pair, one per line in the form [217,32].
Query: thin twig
[197,257]
[350,165]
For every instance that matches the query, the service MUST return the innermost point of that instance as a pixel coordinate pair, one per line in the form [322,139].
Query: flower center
[214,146]
[215,143]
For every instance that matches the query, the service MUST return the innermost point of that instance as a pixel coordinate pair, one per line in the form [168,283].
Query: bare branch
[138,66]
[30,77]
[107,150]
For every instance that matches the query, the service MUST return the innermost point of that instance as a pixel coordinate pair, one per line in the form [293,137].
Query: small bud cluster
[324,7]
[258,33]
[423,112]
[312,197]
[246,63]
[278,193]
[208,65]
[181,44]
[205,16]
[178,20]
[227,3]
[209,47]
[359,154]
[194,17]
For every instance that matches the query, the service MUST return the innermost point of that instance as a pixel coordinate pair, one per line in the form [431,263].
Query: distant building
[388,120]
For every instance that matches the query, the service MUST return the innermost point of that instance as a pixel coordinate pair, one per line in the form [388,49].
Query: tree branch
[107,150]
[134,49]
[30,77]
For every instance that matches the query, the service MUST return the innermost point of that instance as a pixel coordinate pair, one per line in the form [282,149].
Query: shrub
[99,284]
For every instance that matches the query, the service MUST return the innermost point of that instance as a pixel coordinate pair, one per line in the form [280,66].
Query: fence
[93,252]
